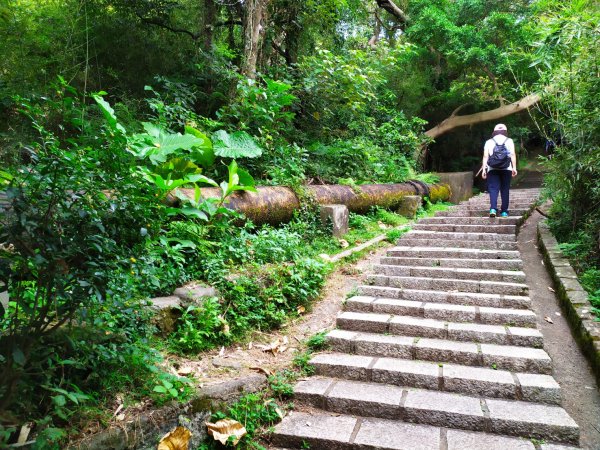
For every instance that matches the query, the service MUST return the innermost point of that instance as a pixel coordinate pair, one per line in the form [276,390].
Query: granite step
[438,329]
[478,212]
[504,357]
[450,252]
[445,235]
[493,264]
[507,276]
[455,298]
[513,200]
[320,430]
[480,286]
[441,409]
[419,241]
[486,221]
[442,311]
[443,377]
[459,228]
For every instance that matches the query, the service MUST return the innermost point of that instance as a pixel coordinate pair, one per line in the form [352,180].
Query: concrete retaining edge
[146,430]
[574,299]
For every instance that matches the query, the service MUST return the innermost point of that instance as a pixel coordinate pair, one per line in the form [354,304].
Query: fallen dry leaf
[548,319]
[223,429]
[121,417]
[301,309]
[382,225]
[559,314]
[267,372]
[276,346]
[177,439]
[250,346]
[550,289]
[344,243]
[222,351]
[118,410]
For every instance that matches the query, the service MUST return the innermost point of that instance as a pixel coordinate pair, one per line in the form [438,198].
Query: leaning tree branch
[459,109]
[455,121]
[162,24]
[393,9]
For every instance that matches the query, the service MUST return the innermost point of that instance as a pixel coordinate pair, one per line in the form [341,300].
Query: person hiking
[499,165]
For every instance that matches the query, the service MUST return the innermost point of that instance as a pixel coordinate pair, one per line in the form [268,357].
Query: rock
[228,363]
[338,215]
[461,185]
[194,294]
[168,310]
[409,206]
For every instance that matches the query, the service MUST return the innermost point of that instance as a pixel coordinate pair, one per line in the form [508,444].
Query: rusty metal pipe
[276,204]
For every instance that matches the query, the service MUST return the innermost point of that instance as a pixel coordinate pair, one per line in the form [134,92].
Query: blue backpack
[500,158]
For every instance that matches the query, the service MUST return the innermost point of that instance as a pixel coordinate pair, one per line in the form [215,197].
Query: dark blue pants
[499,181]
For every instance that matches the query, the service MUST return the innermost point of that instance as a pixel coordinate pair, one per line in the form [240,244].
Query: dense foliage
[568,65]
[107,107]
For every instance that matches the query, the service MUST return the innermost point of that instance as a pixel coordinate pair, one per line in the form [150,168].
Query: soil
[580,394]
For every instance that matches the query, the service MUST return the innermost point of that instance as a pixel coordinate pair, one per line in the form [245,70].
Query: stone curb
[574,299]
[145,431]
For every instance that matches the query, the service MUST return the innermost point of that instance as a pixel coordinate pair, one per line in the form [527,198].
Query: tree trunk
[393,9]
[455,121]
[208,24]
[254,18]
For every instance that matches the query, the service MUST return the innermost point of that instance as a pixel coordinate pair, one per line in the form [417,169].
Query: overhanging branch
[455,121]
[393,9]
[162,24]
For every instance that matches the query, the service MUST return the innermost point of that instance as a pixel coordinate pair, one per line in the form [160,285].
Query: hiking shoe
[492,212]
[504,214]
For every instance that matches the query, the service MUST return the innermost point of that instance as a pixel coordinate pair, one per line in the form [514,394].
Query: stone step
[478,381]
[459,228]
[507,276]
[513,198]
[511,220]
[456,212]
[438,329]
[494,264]
[451,252]
[481,245]
[516,199]
[319,430]
[442,311]
[505,357]
[455,298]
[442,409]
[483,287]
[445,235]
[485,205]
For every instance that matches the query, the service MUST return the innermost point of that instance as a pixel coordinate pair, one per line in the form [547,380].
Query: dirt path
[244,358]
[580,394]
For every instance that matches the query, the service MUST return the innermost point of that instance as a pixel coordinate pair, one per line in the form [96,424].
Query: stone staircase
[439,351]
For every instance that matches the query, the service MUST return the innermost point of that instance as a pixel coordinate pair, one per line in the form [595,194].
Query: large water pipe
[276,204]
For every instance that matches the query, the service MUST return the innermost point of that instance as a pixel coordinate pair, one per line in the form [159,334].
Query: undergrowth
[259,411]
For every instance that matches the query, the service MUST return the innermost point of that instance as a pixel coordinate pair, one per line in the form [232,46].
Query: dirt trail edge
[580,393]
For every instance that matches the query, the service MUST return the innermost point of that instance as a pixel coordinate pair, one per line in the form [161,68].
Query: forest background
[144,96]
